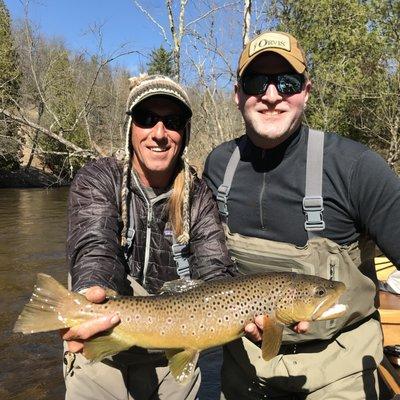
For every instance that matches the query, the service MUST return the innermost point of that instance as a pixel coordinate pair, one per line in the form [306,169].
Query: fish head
[310,298]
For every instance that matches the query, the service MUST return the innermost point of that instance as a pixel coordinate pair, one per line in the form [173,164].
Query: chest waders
[336,358]
[351,264]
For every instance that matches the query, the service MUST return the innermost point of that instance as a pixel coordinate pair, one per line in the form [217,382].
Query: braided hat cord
[185,236]
[141,88]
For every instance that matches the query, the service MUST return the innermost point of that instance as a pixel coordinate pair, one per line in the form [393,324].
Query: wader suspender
[181,256]
[312,201]
[130,231]
[180,251]
[225,187]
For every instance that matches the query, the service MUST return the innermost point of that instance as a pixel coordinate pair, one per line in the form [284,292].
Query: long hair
[179,202]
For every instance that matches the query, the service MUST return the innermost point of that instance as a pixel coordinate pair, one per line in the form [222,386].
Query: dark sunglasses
[255,84]
[148,119]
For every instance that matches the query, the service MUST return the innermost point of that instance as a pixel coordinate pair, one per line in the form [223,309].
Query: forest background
[60,107]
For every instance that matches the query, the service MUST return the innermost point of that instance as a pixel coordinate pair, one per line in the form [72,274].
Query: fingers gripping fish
[182,324]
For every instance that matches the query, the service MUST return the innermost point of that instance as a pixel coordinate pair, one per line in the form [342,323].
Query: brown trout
[182,324]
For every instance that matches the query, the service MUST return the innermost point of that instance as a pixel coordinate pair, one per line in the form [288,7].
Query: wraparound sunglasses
[256,84]
[148,119]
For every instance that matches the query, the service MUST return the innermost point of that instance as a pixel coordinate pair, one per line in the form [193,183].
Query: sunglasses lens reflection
[255,84]
[148,119]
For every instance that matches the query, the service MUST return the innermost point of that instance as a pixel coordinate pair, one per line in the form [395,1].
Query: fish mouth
[335,311]
[329,309]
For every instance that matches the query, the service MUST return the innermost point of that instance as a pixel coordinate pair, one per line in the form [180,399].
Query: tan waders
[146,377]
[335,359]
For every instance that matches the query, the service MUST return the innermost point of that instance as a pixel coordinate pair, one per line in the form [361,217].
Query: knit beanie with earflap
[141,88]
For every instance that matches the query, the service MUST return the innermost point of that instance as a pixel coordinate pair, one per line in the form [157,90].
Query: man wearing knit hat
[297,199]
[136,225]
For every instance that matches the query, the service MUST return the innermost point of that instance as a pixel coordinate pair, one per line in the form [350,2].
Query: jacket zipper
[148,226]
[148,238]
[148,230]
[333,272]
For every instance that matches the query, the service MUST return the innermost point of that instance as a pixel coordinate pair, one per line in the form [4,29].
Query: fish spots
[208,314]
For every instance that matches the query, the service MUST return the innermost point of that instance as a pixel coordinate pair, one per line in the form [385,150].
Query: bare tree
[246,21]
[177,27]
[94,92]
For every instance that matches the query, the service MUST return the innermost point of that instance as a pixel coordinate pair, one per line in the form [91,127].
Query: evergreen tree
[343,55]
[10,146]
[160,62]
[380,118]
[354,58]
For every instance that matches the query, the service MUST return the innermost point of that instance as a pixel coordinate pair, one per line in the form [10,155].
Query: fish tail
[51,307]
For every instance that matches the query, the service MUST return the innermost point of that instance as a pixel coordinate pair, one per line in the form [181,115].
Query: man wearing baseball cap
[297,199]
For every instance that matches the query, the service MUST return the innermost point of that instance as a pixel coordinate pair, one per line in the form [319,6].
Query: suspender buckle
[130,234]
[181,256]
[313,207]
[222,199]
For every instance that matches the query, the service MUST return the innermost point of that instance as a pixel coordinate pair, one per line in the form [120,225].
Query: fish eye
[320,291]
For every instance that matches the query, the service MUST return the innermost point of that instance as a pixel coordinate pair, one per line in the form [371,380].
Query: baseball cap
[281,43]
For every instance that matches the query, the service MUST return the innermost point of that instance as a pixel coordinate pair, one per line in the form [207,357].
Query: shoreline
[31,178]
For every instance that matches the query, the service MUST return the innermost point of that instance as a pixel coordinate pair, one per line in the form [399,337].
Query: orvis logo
[269,39]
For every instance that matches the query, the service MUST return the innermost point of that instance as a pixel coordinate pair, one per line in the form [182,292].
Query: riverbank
[29,178]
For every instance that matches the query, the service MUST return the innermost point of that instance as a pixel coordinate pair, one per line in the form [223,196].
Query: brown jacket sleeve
[94,253]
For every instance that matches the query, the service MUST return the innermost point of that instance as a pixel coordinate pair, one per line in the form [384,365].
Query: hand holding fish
[77,335]
[254,330]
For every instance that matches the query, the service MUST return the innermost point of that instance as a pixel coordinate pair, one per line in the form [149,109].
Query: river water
[32,240]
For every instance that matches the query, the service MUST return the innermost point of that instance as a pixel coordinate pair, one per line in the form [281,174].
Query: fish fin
[180,285]
[107,344]
[182,363]
[272,338]
[46,309]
